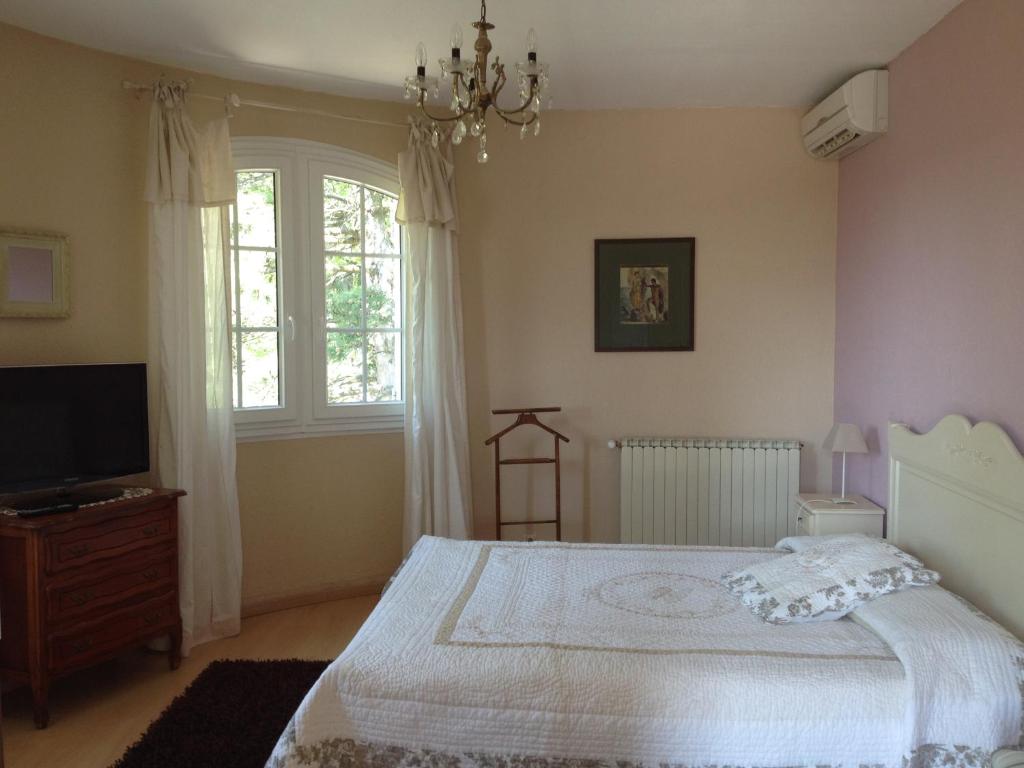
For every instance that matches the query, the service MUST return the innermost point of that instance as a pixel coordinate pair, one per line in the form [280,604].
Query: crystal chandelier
[471,96]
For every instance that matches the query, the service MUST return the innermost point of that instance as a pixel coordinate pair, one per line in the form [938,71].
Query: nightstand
[817,515]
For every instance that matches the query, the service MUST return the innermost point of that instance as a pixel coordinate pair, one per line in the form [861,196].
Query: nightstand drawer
[834,524]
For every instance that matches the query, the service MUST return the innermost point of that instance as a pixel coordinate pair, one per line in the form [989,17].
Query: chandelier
[471,95]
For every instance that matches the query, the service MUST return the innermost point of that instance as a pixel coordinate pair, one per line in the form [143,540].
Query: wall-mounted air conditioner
[852,116]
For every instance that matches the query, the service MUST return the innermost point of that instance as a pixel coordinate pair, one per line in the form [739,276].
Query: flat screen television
[63,425]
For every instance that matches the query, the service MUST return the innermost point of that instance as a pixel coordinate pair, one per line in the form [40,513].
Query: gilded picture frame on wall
[644,294]
[35,274]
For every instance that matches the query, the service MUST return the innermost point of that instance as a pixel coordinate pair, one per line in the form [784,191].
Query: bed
[553,655]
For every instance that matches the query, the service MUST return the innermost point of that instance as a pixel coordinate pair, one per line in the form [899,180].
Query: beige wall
[318,515]
[324,514]
[764,215]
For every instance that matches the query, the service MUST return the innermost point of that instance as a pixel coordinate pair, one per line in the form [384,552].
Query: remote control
[50,510]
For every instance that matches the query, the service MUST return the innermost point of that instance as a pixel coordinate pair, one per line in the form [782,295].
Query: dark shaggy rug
[230,717]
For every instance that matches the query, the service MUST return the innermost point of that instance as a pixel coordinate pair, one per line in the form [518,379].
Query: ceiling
[603,54]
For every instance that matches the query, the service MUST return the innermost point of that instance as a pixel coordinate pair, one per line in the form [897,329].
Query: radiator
[710,491]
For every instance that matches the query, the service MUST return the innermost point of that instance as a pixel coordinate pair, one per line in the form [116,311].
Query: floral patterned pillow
[825,581]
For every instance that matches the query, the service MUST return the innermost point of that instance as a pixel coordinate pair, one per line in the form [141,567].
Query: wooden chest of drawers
[80,587]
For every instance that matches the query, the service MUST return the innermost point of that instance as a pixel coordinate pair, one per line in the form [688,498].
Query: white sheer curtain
[190,182]
[437,499]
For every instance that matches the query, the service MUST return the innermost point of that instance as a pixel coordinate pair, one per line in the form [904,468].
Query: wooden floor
[96,713]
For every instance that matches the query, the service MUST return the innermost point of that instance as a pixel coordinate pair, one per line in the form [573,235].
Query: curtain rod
[233,100]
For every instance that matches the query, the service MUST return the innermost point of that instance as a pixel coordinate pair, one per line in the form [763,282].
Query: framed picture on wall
[643,294]
[34,274]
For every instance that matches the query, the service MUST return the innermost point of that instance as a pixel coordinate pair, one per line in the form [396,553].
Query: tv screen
[66,424]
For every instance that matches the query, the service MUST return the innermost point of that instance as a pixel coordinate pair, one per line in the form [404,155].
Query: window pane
[382,233]
[342,230]
[344,367]
[259,369]
[257,271]
[383,293]
[257,222]
[343,291]
[383,367]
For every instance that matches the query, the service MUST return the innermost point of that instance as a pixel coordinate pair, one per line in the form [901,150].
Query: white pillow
[825,581]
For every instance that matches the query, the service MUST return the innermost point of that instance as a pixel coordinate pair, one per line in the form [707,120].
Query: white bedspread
[559,655]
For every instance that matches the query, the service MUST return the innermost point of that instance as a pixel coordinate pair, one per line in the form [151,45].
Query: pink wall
[930,273]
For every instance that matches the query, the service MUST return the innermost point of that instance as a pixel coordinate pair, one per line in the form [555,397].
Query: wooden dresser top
[91,512]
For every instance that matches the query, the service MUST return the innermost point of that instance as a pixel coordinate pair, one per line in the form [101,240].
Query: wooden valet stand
[527,416]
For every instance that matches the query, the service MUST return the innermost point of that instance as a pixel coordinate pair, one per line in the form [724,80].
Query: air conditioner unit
[855,114]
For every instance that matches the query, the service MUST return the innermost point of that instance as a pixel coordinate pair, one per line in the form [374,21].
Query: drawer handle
[151,619]
[81,598]
[150,573]
[150,530]
[77,550]
[81,645]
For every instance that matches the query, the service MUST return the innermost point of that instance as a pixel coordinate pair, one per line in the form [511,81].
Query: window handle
[291,328]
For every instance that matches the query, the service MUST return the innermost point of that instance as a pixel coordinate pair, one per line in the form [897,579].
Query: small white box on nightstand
[818,515]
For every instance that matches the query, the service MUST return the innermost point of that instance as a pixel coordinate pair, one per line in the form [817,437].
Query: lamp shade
[845,438]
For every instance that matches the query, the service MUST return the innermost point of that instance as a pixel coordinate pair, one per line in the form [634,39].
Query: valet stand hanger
[527,416]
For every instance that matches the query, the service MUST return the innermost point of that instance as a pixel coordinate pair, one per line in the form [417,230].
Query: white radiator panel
[708,491]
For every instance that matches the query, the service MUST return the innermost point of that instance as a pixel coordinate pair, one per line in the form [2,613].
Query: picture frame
[35,274]
[644,292]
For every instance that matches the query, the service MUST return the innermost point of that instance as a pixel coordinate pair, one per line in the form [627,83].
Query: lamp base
[843,500]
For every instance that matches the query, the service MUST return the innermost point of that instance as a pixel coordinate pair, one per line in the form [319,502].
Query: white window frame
[286,414]
[304,410]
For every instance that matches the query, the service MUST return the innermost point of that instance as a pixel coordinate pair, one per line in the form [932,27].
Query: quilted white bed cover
[554,655]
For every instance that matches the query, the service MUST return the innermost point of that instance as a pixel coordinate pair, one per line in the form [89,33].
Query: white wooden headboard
[956,501]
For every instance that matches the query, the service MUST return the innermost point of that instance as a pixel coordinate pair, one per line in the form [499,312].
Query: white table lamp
[844,439]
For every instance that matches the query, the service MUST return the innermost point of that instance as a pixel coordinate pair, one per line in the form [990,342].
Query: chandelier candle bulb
[531,44]
[456,41]
[421,59]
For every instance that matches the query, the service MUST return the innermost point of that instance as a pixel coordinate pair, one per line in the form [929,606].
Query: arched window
[317,290]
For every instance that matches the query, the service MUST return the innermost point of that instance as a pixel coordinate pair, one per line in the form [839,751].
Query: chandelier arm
[499,81]
[513,121]
[423,109]
[519,110]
